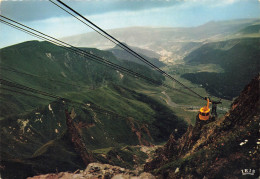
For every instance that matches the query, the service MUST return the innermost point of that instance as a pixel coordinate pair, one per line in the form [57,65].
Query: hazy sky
[108,14]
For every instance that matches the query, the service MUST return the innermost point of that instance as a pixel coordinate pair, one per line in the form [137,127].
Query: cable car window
[207,114]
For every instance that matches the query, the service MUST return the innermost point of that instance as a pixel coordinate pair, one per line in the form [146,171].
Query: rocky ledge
[98,171]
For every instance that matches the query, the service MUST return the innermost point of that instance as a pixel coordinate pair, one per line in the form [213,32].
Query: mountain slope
[218,149]
[252,29]
[35,135]
[239,58]
[61,72]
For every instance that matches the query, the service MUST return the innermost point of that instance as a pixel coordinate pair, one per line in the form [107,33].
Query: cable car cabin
[204,112]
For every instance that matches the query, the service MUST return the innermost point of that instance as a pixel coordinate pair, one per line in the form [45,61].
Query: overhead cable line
[82,21]
[36,76]
[17,85]
[123,46]
[84,53]
[82,105]
[25,94]
[39,92]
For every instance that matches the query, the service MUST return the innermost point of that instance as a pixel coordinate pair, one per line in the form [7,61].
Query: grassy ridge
[239,60]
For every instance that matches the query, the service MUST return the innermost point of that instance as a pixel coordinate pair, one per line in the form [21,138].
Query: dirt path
[169,101]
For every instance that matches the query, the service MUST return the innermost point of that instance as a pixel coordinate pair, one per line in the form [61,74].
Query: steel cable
[126,48]
[86,54]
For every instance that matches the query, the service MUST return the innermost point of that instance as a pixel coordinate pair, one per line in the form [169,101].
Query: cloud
[213,3]
[31,10]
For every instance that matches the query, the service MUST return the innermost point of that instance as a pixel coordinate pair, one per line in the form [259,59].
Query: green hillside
[34,134]
[252,29]
[61,72]
[239,58]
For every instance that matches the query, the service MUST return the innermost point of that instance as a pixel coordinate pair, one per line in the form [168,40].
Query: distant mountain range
[170,43]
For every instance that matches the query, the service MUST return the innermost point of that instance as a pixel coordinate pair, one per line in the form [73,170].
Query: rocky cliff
[225,148]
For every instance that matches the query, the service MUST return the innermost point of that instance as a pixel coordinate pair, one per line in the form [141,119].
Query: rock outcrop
[225,148]
[77,140]
[96,171]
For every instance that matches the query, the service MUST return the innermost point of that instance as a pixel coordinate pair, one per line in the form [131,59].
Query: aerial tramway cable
[82,21]
[123,46]
[39,92]
[25,94]
[13,70]
[85,54]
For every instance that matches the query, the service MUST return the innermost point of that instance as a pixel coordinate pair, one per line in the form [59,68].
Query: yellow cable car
[204,112]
